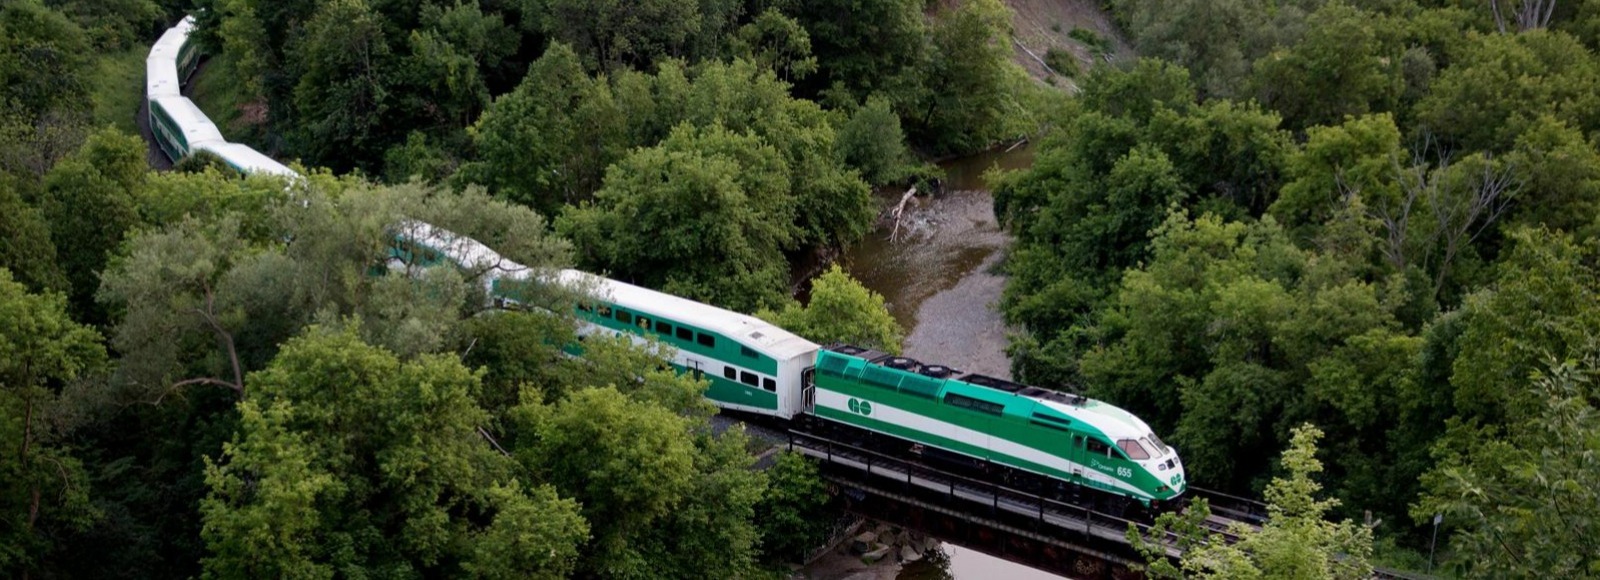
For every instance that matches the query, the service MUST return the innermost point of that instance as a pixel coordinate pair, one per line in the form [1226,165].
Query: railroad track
[1228,510]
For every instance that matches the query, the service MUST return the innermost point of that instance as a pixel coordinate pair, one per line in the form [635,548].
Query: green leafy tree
[661,500]
[833,206]
[776,42]
[1542,304]
[1135,146]
[841,310]
[596,121]
[1230,332]
[1101,225]
[518,351]
[1347,63]
[1360,156]
[44,60]
[112,24]
[548,142]
[350,460]
[25,246]
[1297,541]
[1519,499]
[207,301]
[1502,84]
[610,33]
[456,52]
[89,201]
[872,142]
[1559,174]
[1183,32]
[718,218]
[793,515]
[417,158]
[863,46]
[969,79]
[344,90]
[44,490]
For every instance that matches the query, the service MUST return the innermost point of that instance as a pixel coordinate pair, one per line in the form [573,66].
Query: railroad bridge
[1043,533]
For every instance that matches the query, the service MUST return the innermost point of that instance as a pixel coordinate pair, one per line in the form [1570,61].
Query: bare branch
[1462,217]
[491,440]
[223,336]
[209,381]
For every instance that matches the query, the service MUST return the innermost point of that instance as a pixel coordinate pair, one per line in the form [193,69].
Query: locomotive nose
[1169,470]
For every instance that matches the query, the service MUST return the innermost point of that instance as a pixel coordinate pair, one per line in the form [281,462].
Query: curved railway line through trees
[174,125]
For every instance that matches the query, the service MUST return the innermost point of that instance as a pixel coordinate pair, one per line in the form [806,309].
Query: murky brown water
[937,267]
[938,276]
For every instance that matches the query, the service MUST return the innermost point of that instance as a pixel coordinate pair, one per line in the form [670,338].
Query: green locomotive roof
[1018,400]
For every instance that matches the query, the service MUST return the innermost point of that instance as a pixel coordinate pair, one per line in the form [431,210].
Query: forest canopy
[1376,218]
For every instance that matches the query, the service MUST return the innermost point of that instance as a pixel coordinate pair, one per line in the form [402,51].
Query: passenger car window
[705,339]
[664,328]
[748,379]
[624,317]
[685,334]
[729,373]
[769,384]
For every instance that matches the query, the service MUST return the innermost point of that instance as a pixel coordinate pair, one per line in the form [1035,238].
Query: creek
[940,277]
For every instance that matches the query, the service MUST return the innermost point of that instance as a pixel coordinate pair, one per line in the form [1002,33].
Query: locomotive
[1029,436]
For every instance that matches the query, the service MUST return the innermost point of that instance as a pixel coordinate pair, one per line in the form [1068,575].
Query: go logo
[860,407]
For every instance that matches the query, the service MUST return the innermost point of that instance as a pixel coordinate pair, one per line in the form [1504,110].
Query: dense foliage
[1295,541]
[211,375]
[373,85]
[840,309]
[1348,214]
[1378,217]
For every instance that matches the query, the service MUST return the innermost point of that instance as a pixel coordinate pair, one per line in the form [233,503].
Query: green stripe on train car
[171,128]
[854,378]
[724,349]
[734,392]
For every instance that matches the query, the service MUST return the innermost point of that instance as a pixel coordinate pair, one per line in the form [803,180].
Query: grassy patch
[119,89]
[216,90]
[1098,45]
[1062,61]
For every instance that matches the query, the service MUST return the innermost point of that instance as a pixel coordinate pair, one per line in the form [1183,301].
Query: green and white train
[1006,429]
[756,367]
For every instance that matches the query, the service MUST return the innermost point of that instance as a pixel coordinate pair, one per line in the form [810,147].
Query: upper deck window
[705,339]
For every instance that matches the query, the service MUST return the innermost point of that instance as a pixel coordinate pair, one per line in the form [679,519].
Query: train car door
[1076,456]
[808,390]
